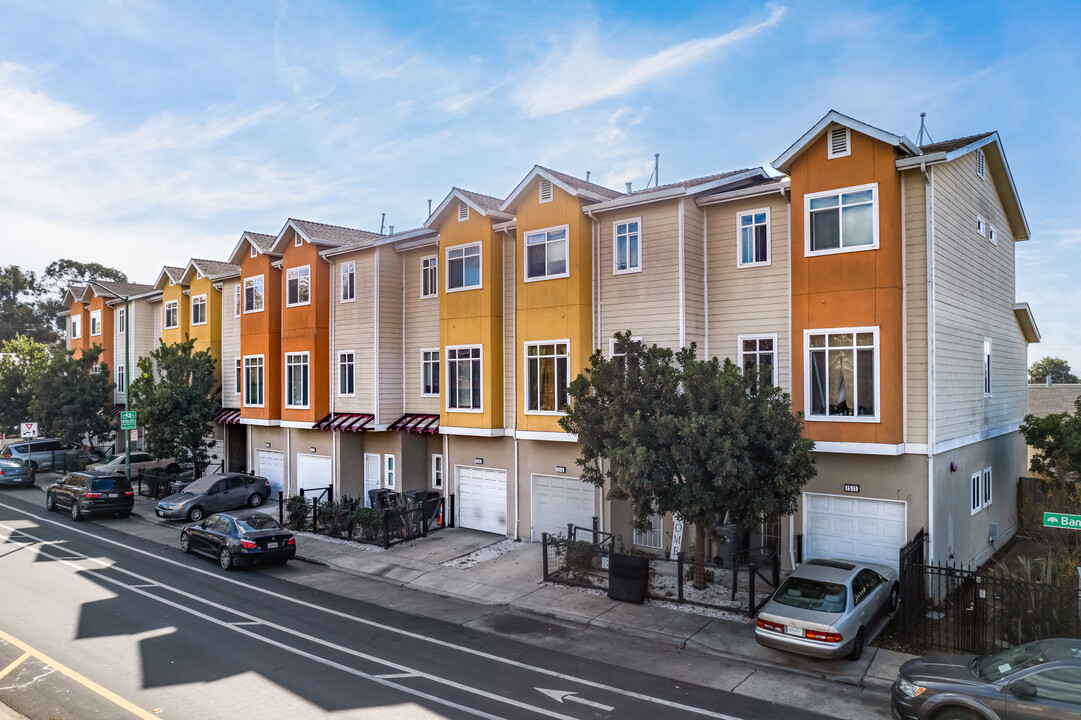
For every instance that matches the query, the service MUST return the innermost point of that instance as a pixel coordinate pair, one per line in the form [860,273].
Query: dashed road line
[15,664]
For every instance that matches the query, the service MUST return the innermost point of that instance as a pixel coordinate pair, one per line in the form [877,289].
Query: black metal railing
[349,519]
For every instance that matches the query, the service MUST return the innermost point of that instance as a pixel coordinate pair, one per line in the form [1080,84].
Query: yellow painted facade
[174,292]
[207,336]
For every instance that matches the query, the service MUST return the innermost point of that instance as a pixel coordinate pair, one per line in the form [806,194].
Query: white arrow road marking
[569,695]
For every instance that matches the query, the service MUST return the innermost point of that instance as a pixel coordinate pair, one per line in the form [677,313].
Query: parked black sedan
[16,472]
[239,539]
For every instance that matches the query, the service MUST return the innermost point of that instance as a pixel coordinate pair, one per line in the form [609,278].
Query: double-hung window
[253,294]
[298,286]
[95,369]
[987,367]
[121,379]
[626,246]
[238,376]
[841,220]
[463,267]
[758,356]
[547,376]
[390,473]
[429,277]
[986,482]
[842,374]
[753,237]
[652,538]
[121,321]
[172,314]
[463,378]
[546,254]
[95,322]
[429,372]
[253,381]
[975,493]
[198,310]
[349,281]
[346,373]
[76,327]
[238,304]
[437,471]
[296,380]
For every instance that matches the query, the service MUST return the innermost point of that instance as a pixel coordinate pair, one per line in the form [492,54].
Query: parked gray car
[215,493]
[16,472]
[827,608]
[41,454]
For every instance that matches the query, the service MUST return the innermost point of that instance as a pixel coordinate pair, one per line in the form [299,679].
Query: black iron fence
[347,518]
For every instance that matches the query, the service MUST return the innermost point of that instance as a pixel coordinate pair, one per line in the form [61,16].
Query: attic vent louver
[981,164]
[463,211]
[545,190]
[839,143]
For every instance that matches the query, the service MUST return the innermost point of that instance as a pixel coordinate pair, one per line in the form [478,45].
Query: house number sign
[852,488]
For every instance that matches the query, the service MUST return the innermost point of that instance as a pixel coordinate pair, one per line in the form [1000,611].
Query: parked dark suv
[85,493]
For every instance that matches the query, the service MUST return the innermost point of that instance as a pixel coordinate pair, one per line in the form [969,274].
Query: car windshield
[257,523]
[992,668]
[200,486]
[11,463]
[808,594]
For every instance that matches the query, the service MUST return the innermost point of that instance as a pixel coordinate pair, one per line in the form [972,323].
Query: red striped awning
[416,422]
[352,422]
[227,416]
[114,411]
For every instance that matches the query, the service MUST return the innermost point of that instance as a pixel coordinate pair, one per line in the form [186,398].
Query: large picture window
[429,372]
[253,381]
[842,220]
[626,246]
[463,267]
[753,238]
[463,378]
[253,294]
[296,380]
[172,314]
[547,377]
[758,356]
[198,310]
[298,286]
[546,254]
[842,374]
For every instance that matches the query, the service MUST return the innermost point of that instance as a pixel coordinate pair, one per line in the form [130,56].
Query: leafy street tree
[21,309]
[176,396]
[58,276]
[1057,368]
[1056,439]
[23,362]
[673,434]
[69,396]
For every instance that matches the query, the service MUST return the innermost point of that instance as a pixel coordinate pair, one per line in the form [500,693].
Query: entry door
[372,475]
[271,465]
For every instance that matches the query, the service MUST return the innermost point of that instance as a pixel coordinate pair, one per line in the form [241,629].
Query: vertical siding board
[230,343]
[390,335]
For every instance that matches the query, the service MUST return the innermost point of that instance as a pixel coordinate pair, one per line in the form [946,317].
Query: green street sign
[1061,520]
[127,420]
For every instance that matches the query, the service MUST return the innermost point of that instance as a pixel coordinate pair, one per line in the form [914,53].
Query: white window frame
[429,265]
[121,321]
[175,305]
[295,274]
[437,472]
[76,331]
[975,493]
[988,375]
[615,247]
[252,281]
[390,471]
[95,369]
[555,359]
[654,538]
[250,364]
[987,486]
[760,336]
[854,418]
[739,238]
[238,376]
[981,226]
[206,309]
[449,363]
[808,252]
[612,346]
[121,379]
[292,360]
[992,234]
[525,253]
[238,300]
[352,364]
[480,266]
[95,322]
[426,360]
[830,155]
[348,280]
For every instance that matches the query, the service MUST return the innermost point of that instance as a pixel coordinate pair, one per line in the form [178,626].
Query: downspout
[929,223]
[332,376]
[791,358]
[514,365]
[682,283]
[375,339]
[705,280]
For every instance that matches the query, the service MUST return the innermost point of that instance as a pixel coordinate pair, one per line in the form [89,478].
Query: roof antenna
[429,207]
[382,222]
[655,176]
[587,174]
[923,132]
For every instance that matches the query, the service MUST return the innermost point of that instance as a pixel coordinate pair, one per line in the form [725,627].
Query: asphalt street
[144,630]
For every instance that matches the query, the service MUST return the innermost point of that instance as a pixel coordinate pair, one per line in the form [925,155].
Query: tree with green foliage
[70,395]
[22,311]
[670,433]
[1057,368]
[176,397]
[1056,439]
[59,274]
[23,363]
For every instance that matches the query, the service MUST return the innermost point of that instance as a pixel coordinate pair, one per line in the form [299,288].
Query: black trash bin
[377,498]
[628,578]
[728,542]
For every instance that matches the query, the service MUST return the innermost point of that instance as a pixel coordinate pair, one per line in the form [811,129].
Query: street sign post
[127,420]
[1062,520]
[28,430]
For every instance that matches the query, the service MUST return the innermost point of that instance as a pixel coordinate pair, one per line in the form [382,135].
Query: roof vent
[390,230]
[840,145]
[981,164]
[545,190]
[628,188]
[463,210]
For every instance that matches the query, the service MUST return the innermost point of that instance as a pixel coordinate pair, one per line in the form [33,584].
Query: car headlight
[910,690]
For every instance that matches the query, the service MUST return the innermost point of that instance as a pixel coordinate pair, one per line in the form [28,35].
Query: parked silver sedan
[827,608]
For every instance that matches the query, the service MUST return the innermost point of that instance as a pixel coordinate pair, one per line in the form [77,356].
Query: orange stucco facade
[305,328]
[104,338]
[78,344]
[260,335]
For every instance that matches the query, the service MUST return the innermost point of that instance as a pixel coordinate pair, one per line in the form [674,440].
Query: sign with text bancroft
[1061,520]
[127,420]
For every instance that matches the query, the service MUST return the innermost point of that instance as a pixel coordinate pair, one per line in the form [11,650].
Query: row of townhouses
[874,277]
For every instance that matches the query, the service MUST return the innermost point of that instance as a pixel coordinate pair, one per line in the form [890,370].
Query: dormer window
[981,165]
[545,190]
[463,211]
[254,252]
[840,143]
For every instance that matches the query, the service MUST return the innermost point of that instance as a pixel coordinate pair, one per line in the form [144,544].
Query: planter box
[628,578]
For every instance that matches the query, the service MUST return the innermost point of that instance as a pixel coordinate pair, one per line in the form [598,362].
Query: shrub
[297,508]
[369,521]
[333,517]
[579,558]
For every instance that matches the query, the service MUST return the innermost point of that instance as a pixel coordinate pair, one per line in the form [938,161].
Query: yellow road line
[84,681]
[14,665]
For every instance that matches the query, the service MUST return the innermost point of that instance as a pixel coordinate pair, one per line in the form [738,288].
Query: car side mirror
[1022,688]
[203,524]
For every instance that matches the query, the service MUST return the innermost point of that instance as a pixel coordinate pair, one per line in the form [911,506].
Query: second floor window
[349,281]
[296,380]
[198,310]
[95,322]
[547,377]
[76,327]
[238,305]
[121,321]
[121,379]
[346,376]
[753,238]
[987,367]
[429,372]
[463,378]
[843,367]
[429,278]
[172,314]
[298,286]
[757,357]
[238,377]
[626,247]
[253,294]
[253,381]
[546,254]
[463,267]
[842,220]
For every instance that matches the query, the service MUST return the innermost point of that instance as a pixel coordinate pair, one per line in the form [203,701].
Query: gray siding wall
[915,200]
[230,343]
[974,297]
[354,330]
[420,328]
[391,342]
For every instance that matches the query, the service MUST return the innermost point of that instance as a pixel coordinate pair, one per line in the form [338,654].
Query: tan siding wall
[974,296]
[391,343]
[354,328]
[420,323]
[750,300]
[694,268]
[510,357]
[913,189]
[230,343]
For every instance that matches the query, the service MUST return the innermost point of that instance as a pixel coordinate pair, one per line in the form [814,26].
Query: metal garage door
[482,499]
[271,465]
[313,473]
[560,500]
[853,528]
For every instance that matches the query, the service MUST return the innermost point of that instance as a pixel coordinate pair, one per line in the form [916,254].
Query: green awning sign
[127,420]
[1061,520]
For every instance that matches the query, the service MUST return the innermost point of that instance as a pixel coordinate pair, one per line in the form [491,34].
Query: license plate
[793,630]
[110,495]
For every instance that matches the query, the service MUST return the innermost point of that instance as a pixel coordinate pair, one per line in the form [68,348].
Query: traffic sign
[127,420]
[1062,520]
[28,430]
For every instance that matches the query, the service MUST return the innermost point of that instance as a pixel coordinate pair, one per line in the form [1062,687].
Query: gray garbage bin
[728,541]
[377,498]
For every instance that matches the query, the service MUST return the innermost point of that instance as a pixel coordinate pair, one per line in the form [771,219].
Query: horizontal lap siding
[354,328]
[915,199]
[390,335]
[974,297]
[230,343]
[509,314]
[420,328]
[694,270]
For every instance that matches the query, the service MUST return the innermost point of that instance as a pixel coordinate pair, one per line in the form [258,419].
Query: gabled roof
[210,269]
[700,181]
[321,234]
[106,288]
[955,144]
[784,162]
[485,205]
[171,274]
[262,244]
[1023,313]
[718,182]
[402,241]
[567,183]
[74,293]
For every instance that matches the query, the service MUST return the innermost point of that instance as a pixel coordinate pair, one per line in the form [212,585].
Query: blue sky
[139,133]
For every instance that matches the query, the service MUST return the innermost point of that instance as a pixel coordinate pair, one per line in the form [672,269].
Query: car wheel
[185,542]
[50,502]
[857,646]
[895,598]
[225,559]
[195,514]
[34,465]
[76,513]
[255,500]
[955,713]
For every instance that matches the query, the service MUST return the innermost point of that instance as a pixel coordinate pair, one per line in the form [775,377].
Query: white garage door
[482,499]
[271,465]
[561,500]
[313,473]
[853,528]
